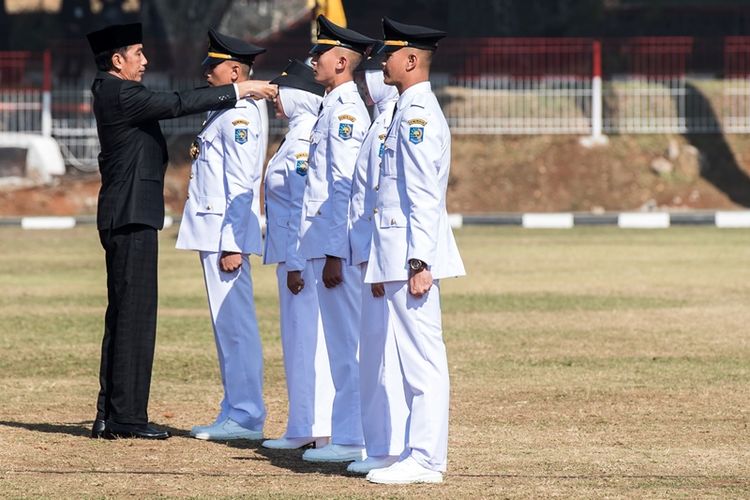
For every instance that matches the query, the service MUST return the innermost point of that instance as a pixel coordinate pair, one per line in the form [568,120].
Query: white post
[47,95]
[46,113]
[596,109]
[597,138]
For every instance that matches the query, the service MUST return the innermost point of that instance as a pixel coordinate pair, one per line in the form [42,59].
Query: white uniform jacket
[286,177]
[364,185]
[410,217]
[264,135]
[334,144]
[218,216]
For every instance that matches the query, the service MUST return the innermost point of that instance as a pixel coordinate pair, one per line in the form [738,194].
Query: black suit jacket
[133,156]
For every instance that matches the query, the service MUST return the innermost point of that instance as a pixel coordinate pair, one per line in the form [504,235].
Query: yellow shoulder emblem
[347,117]
[417,121]
[240,122]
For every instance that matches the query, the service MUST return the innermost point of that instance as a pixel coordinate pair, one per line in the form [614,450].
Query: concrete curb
[625,220]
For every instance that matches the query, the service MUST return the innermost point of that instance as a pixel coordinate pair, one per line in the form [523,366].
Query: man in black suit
[132,164]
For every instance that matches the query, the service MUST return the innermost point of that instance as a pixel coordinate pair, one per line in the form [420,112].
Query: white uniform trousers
[417,328]
[384,409]
[308,375]
[230,300]
[339,311]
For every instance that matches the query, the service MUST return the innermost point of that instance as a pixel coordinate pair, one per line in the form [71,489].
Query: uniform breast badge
[195,150]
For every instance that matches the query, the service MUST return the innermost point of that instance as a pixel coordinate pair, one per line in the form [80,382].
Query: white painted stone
[643,220]
[737,219]
[48,222]
[456,221]
[547,221]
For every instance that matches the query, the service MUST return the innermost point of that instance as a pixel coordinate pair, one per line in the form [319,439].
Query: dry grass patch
[584,363]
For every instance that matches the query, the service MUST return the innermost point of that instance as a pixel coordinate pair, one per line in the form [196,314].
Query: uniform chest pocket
[316,141]
[388,160]
[207,141]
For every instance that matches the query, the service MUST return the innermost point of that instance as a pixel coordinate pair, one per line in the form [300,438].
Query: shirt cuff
[236,91]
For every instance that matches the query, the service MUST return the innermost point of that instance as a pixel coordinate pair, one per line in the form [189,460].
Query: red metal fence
[486,86]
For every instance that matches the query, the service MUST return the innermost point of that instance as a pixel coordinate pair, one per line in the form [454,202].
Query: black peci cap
[114,37]
[398,35]
[298,75]
[227,48]
[332,35]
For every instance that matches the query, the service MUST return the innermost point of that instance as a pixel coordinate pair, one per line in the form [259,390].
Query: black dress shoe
[97,430]
[113,430]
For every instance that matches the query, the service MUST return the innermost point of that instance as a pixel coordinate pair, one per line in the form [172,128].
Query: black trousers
[130,323]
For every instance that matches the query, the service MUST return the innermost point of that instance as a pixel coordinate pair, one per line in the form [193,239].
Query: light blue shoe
[226,430]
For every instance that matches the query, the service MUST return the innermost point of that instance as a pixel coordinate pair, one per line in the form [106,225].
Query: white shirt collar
[408,95]
[335,93]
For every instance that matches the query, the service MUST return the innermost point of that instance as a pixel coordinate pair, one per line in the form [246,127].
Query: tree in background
[182,25]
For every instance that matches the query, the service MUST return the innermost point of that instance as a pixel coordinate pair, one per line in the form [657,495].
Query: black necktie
[390,125]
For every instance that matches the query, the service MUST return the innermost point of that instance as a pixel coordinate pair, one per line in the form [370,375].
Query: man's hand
[230,261]
[332,274]
[420,282]
[378,289]
[257,89]
[294,281]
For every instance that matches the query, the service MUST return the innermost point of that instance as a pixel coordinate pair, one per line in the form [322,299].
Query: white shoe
[294,443]
[335,453]
[370,463]
[202,428]
[225,431]
[406,471]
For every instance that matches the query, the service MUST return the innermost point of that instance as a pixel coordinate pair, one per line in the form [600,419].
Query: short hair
[424,55]
[354,58]
[104,59]
[246,69]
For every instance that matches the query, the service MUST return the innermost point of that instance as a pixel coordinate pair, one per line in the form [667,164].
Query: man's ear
[412,61]
[342,63]
[117,60]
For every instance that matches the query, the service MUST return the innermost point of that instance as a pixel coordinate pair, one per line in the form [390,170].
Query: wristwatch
[416,265]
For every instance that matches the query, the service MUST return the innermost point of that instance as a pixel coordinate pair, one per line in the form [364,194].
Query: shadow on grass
[73,428]
[291,460]
[77,428]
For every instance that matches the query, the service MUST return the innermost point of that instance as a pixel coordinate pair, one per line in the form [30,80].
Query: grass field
[594,362]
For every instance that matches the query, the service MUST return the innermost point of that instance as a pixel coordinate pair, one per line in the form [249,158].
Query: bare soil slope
[515,174]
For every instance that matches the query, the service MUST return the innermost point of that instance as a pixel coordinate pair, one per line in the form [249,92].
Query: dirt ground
[513,174]
[589,363]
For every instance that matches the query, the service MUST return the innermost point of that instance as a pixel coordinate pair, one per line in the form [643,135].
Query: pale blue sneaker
[335,453]
[294,443]
[226,430]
